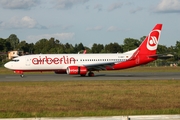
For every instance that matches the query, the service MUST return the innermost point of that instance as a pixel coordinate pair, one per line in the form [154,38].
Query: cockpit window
[15,60]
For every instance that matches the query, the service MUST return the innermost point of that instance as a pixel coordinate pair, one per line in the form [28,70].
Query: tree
[162,49]
[2,44]
[69,48]
[5,45]
[52,44]
[142,39]
[97,48]
[41,46]
[113,48]
[177,50]
[23,46]
[80,47]
[130,44]
[13,40]
[61,48]
[31,48]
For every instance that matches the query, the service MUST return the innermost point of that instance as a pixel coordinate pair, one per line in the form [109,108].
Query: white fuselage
[62,61]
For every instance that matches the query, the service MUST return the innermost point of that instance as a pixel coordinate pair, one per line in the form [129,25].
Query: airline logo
[49,60]
[153,37]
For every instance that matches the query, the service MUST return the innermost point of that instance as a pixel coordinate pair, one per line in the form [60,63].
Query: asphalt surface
[98,76]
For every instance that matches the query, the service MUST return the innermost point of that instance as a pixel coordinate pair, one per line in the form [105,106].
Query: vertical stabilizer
[146,52]
[149,45]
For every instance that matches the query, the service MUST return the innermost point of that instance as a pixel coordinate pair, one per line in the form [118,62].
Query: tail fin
[149,45]
[146,52]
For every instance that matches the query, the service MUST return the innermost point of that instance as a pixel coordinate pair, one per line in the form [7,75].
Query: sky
[89,21]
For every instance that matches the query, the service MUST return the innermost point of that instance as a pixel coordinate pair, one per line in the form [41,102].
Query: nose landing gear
[19,72]
[22,75]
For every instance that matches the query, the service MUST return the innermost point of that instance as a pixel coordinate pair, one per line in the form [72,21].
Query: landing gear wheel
[90,74]
[21,75]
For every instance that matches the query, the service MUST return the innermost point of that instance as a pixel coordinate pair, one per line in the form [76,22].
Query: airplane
[81,64]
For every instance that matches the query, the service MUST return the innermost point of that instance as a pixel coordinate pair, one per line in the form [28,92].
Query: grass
[89,98]
[5,71]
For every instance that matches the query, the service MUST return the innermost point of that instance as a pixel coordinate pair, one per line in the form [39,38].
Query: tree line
[54,46]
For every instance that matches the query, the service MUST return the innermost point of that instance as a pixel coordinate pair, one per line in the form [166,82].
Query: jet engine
[75,70]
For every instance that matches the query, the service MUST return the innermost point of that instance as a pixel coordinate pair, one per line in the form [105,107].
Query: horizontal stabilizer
[160,56]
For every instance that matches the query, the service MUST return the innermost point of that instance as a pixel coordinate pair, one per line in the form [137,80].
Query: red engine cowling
[75,70]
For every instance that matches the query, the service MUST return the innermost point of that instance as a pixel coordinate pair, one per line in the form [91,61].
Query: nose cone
[7,65]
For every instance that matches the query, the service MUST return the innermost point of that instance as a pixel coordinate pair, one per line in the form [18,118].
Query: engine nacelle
[75,70]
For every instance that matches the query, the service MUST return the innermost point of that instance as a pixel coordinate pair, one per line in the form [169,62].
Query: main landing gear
[91,74]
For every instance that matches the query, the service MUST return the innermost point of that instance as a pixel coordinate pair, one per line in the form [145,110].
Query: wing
[100,66]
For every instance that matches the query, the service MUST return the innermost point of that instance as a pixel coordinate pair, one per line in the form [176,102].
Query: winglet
[84,52]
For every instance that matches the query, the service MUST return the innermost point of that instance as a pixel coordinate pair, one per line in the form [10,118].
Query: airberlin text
[56,60]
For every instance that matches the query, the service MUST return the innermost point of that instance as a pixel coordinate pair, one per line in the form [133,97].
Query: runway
[117,75]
